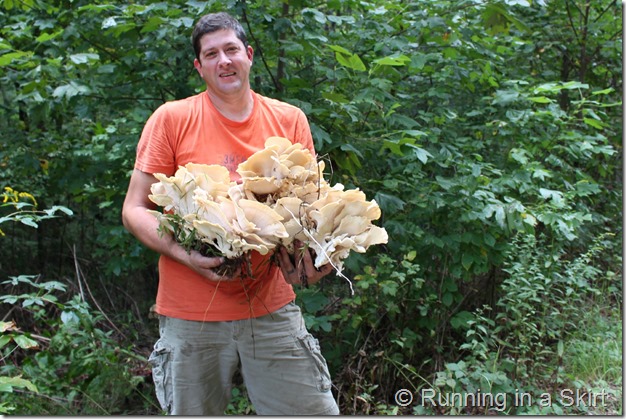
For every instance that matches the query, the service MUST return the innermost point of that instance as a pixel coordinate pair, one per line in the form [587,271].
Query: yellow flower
[12,195]
[7,193]
[28,196]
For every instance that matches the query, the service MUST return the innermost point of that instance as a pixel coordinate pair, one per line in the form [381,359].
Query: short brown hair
[214,22]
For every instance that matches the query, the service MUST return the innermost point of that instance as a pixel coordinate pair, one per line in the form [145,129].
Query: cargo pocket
[160,362]
[312,347]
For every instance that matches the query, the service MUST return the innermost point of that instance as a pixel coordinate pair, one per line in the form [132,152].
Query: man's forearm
[144,227]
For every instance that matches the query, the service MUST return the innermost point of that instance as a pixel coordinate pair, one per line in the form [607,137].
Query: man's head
[214,22]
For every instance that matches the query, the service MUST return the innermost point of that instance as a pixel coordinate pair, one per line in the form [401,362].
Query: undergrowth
[550,345]
[60,356]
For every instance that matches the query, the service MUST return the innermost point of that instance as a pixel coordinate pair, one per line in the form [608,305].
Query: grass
[592,360]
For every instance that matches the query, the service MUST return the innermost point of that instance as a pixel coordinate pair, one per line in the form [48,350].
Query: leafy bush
[77,366]
[519,346]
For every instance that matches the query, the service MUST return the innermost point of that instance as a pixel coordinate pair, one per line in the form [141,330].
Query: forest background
[489,132]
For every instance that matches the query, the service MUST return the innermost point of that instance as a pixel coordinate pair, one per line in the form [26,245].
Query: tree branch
[571,19]
[258,46]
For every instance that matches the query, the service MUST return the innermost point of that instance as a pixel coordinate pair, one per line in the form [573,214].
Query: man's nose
[223,58]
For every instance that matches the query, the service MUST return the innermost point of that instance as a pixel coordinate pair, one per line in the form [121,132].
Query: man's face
[224,63]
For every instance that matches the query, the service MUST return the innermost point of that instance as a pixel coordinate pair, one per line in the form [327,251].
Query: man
[211,325]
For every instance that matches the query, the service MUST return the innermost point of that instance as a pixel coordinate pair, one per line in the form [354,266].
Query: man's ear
[197,65]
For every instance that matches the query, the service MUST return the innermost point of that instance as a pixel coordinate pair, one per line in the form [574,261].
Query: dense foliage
[488,132]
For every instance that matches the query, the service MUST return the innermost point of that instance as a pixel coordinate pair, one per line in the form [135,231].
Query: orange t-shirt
[193,131]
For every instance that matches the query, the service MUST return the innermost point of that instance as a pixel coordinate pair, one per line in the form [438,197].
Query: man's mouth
[227,74]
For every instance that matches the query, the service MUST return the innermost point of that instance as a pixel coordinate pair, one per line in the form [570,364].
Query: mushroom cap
[281,144]
[174,192]
[214,179]
[266,221]
[263,163]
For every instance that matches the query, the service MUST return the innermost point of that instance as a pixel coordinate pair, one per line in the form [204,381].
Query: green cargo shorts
[193,364]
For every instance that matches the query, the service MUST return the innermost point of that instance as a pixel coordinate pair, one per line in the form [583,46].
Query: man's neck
[236,108]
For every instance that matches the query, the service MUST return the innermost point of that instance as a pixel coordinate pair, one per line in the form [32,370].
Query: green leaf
[593,123]
[29,301]
[396,61]
[540,99]
[339,49]
[61,208]
[505,97]
[109,22]
[83,58]
[603,92]
[389,203]
[520,155]
[7,384]
[48,36]
[541,174]
[117,30]
[317,15]
[313,301]
[466,260]
[97,7]
[500,215]
[394,146]
[8,58]
[25,342]
[4,340]
[335,97]
[571,85]
[53,285]
[450,53]
[418,61]
[555,196]
[556,87]
[9,299]
[70,90]
[497,19]
[489,239]
[29,221]
[421,154]
[389,287]
[351,61]
[460,320]
[152,24]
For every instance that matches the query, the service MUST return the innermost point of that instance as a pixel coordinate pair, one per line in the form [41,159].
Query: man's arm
[144,227]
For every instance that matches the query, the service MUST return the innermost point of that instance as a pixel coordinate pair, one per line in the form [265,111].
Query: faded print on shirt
[232,161]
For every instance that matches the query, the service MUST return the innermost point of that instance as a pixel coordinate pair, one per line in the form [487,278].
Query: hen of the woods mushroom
[282,197]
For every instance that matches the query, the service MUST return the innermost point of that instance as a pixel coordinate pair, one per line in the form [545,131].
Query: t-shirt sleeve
[155,151]
[303,131]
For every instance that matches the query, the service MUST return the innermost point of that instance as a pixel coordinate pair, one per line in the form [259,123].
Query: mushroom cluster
[202,205]
[282,197]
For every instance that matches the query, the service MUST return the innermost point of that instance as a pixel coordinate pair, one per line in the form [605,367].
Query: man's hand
[302,271]
[206,266]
